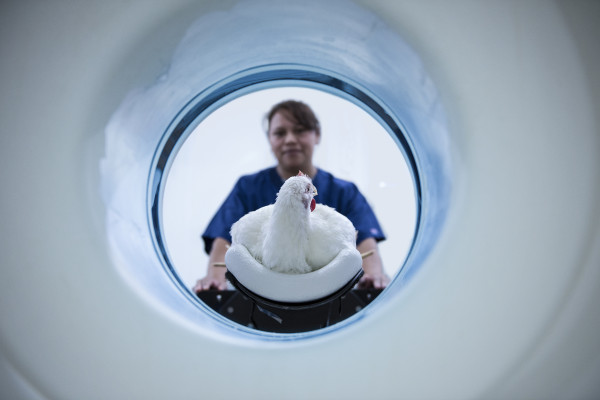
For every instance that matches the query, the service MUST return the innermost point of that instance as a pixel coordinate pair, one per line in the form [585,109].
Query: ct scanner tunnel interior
[505,306]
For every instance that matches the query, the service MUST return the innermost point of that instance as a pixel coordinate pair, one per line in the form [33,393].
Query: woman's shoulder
[259,177]
[332,182]
[260,186]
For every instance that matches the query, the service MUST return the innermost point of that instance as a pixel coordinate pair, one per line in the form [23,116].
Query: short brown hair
[300,111]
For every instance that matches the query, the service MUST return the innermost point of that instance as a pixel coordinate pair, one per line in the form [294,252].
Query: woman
[293,132]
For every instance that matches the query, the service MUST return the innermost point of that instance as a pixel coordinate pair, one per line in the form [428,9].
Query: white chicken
[293,235]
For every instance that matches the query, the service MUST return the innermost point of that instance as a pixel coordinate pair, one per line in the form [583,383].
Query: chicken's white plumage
[330,232]
[288,237]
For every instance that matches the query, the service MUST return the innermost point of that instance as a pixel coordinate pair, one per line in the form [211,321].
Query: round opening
[351,55]
[221,136]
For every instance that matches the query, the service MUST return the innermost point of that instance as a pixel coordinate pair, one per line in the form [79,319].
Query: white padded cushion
[292,288]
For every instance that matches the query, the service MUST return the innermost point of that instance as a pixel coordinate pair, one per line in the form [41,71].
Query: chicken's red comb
[300,173]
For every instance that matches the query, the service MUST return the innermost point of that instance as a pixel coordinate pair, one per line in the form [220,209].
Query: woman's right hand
[215,273]
[211,282]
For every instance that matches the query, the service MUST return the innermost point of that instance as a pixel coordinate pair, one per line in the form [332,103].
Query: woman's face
[292,143]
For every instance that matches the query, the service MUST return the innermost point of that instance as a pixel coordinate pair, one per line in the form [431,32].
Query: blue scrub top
[254,191]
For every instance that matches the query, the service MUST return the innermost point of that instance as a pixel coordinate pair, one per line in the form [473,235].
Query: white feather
[288,237]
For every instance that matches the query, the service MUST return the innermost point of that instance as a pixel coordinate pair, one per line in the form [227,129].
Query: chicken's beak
[315,191]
